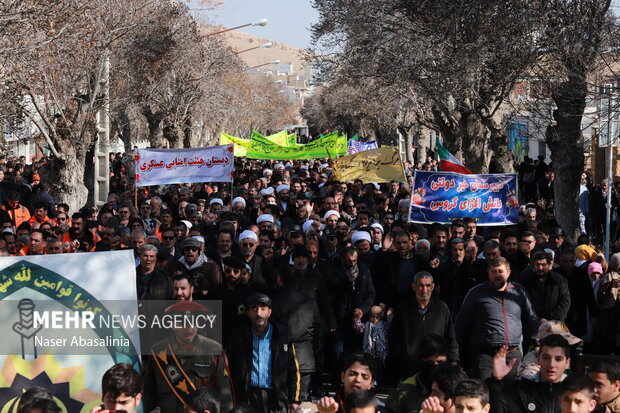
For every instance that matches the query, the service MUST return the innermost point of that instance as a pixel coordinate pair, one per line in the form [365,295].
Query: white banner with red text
[186,165]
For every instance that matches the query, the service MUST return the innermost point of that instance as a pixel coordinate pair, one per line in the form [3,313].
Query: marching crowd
[327,283]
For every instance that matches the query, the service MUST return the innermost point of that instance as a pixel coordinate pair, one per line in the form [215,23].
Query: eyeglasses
[167,238]
[247,244]
[123,212]
[193,249]
[229,270]
[62,219]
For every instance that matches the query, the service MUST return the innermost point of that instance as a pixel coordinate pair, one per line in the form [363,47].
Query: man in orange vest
[40,215]
[18,213]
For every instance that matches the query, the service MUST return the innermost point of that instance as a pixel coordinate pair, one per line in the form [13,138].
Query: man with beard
[454,278]
[75,232]
[494,314]
[285,207]
[263,361]
[184,362]
[225,239]
[234,295]
[205,271]
[439,244]
[547,289]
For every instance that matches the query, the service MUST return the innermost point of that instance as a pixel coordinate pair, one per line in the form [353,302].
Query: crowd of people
[329,292]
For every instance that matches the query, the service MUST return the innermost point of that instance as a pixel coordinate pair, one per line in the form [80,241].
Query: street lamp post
[261,22]
[275,62]
[262,46]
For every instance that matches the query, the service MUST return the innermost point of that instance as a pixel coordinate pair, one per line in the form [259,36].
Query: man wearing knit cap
[204,270]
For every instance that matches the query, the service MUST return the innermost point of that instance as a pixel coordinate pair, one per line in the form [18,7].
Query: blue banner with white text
[445,196]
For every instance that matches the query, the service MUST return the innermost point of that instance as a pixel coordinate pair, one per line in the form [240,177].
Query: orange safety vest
[18,215]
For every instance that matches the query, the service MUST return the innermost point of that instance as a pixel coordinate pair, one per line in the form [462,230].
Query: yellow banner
[377,165]
[280,138]
[240,150]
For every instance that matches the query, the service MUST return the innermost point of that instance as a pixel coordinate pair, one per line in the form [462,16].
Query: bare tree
[459,58]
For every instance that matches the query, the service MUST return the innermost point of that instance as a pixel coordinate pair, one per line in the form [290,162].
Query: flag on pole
[448,162]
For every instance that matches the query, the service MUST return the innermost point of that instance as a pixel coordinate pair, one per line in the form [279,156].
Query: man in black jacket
[418,316]
[547,289]
[534,394]
[353,285]
[263,361]
[301,315]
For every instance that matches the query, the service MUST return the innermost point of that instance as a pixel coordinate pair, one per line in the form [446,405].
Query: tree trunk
[498,143]
[153,120]
[476,154]
[566,143]
[173,135]
[68,177]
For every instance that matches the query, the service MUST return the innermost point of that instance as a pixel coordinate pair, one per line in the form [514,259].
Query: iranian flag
[448,162]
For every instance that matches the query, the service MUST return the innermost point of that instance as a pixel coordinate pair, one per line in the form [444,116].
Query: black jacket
[551,299]
[454,282]
[284,367]
[301,315]
[409,328]
[359,294]
[312,284]
[523,396]
[582,300]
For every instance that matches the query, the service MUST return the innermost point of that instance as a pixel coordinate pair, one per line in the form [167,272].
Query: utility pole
[101,174]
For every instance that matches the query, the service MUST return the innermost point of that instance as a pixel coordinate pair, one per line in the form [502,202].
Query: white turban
[267,172]
[307,225]
[331,212]
[376,185]
[248,234]
[360,236]
[264,218]
[238,199]
[379,226]
[279,165]
[216,201]
[187,223]
[282,188]
[266,191]
[199,238]
[304,167]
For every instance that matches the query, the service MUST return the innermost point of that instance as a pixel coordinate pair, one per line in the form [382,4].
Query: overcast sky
[289,20]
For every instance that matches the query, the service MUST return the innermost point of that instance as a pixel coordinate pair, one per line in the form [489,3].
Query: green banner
[260,147]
